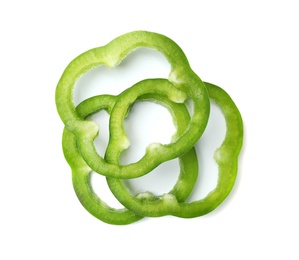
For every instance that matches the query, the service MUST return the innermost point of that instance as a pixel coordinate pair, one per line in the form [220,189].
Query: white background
[250,48]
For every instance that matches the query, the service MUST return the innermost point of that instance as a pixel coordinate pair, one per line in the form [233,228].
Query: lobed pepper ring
[226,156]
[181,76]
[81,171]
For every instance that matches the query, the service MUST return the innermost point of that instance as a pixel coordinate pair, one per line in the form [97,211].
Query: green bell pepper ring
[81,171]
[181,76]
[155,153]
[226,157]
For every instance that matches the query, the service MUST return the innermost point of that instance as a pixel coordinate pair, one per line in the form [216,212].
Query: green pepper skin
[226,156]
[110,55]
[81,171]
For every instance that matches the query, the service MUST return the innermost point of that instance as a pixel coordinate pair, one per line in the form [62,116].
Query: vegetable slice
[181,76]
[226,157]
[81,171]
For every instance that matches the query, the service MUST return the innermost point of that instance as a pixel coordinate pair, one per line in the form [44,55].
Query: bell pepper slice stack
[182,84]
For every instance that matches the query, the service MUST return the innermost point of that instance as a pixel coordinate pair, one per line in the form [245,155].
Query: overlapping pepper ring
[226,156]
[181,76]
[81,171]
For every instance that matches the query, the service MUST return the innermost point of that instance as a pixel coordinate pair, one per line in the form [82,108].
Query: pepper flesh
[81,171]
[110,55]
[226,156]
